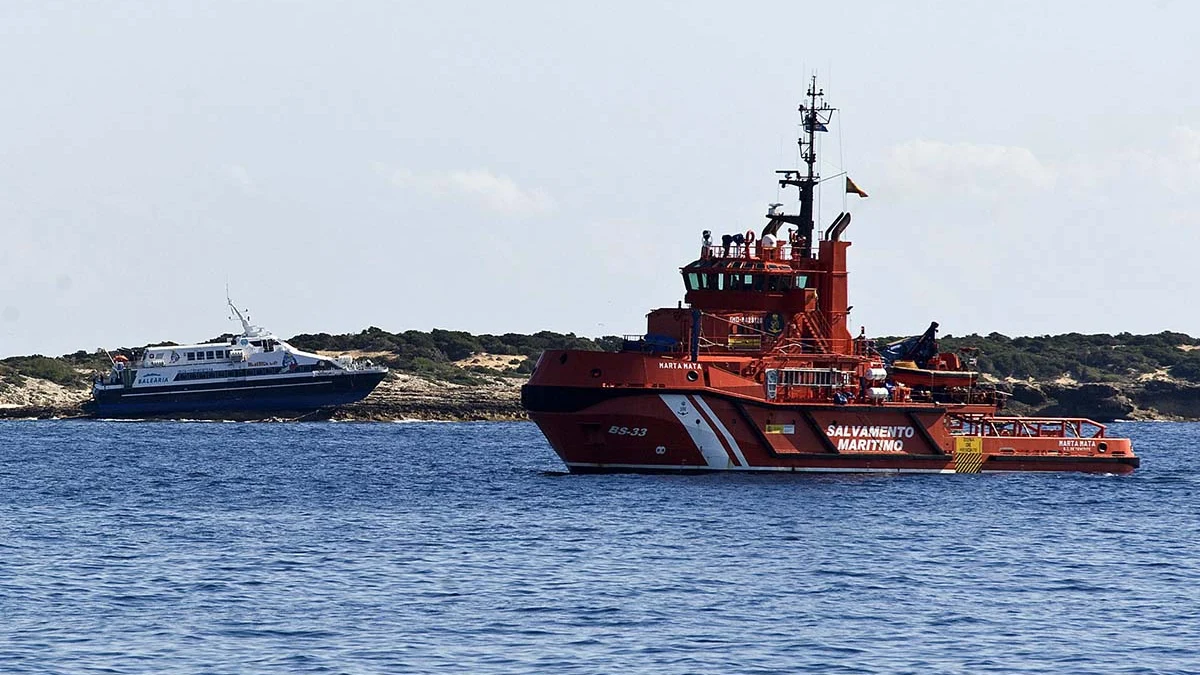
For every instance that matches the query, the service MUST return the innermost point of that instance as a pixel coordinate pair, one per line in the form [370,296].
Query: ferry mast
[815,115]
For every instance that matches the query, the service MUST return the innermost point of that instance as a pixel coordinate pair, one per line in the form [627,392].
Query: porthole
[692,376]
[596,372]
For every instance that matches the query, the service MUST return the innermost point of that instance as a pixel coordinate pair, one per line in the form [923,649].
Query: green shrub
[54,370]
[1188,368]
[432,353]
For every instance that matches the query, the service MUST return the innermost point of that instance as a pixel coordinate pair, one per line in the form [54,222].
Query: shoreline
[388,415]
[400,397]
[403,396]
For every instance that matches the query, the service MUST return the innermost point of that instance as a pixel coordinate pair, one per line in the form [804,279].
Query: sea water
[464,548]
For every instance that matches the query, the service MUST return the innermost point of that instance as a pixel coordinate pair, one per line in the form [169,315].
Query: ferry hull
[299,394]
[620,431]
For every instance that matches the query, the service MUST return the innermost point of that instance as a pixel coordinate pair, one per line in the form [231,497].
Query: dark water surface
[397,548]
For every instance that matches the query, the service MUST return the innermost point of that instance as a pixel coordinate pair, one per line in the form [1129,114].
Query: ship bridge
[755,295]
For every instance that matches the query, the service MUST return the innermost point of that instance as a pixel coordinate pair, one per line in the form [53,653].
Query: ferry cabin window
[191,356]
[210,356]
[772,284]
[248,372]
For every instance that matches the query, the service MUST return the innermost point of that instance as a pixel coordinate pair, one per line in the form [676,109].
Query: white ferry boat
[255,371]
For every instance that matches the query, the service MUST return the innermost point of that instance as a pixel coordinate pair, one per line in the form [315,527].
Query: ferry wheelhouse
[760,372]
[255,371]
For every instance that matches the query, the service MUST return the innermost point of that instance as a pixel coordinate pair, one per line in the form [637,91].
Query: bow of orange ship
[756,370]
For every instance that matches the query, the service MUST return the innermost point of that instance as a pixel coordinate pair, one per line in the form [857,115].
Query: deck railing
[756,251]
[1027,427]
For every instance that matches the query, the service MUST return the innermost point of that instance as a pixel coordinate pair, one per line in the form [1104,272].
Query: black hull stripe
[1066,459]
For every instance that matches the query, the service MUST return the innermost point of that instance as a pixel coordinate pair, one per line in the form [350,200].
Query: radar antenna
[815,116]
[248,328]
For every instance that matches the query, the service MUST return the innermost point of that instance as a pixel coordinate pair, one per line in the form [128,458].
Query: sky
[1033,167]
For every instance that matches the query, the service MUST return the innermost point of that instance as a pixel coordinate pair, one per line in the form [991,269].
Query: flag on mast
[851,188]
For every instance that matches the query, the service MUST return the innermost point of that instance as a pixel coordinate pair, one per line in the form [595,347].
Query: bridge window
[801,281]
[772,283]
[693,281]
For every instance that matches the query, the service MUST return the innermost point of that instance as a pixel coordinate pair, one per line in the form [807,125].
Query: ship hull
[626,430]
[299,393]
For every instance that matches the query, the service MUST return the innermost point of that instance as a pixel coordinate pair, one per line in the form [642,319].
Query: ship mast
[248,329]
[815,115]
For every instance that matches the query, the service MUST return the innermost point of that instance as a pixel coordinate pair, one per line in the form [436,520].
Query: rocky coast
[399,397]
[404,396]
[452,376]
[1167,400]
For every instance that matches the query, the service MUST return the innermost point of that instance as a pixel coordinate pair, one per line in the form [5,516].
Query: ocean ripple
[418,547]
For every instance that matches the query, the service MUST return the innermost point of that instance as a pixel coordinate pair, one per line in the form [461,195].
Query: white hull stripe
[784,469]
[702,435]
[205,391]
[737,450]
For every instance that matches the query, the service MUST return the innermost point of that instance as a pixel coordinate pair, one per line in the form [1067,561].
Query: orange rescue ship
[759,372]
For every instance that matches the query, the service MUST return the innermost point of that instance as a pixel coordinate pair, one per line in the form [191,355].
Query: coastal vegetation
[57,370]
[433,353]
[1083,358]
[443,374]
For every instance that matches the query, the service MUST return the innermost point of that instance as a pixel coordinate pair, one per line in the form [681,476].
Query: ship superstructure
[757,370]
[253,371]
